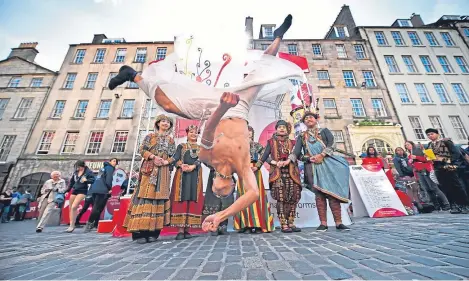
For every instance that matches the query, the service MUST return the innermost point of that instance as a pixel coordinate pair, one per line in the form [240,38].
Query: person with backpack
[51,195]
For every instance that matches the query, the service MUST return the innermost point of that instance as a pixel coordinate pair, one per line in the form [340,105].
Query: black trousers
[99,203]
[452,186]
[88,202]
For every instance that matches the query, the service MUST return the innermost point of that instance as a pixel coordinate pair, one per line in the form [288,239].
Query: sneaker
[342,227]
[126,73]
[282,29]
[322,228]
[38,230]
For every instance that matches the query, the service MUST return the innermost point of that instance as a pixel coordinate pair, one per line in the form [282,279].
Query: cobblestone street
[434,246]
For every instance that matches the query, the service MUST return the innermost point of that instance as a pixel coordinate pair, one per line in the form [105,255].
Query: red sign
[33,211]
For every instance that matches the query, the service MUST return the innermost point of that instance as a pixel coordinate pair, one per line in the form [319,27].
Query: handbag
[59,198]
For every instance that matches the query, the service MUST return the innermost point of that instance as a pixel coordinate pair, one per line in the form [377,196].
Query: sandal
[286,229]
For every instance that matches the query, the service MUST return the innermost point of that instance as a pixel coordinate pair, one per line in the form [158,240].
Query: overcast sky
[57,23]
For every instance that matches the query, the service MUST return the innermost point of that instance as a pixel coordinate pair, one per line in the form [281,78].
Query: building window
[403,93]
[161,53]
[338,136]
[349,78]
[357,108]
[392,65]
[441,92]
[34,183]
[264,47]
[293,49]
[431,39]
[396,35]
[417,127]
[94,143]
[70,142]
[381,38]
[340,31]
[268,32]
[128,109]
[445,64]
[436,123]
[14,82]
[330,108]
[423,93]
[462,64]
[380,146]
[99,56]
[317,51]
[69,80]
[104,108]
[5,148]
[458,127]
[36,82]
[58,109]
[369,79]
[341,53]
[414,38]
[410,64]
[460,92]
[466,32]
[3,106]
[404,23]
[427,64]
[120,140]
[45,143]
[23,108]
[323,75]
[111,75]
[150,109]
[79,56]
[81,109]
[447,38]
[378,107]
[359,51]
[91,80]
[141,55]
[120,55]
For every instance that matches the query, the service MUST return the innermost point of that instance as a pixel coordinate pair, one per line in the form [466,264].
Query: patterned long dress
[149,209]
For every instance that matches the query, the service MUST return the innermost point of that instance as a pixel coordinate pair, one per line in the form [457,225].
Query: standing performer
[149,208]
[326,174]
[257,217]
[284,179]
[187,190]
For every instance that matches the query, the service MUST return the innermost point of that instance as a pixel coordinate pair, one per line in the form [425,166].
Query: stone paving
[432,246]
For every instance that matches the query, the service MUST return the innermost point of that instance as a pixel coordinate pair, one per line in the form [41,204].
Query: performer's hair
[191,127]
[368,151]
[163,117]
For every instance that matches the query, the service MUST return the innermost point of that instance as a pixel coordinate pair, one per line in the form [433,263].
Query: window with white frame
[357,108]
[338,136]
[36,82]
[427,64]
[431,39]
[58,109]
[99,56]
[369,79]
[14,82]
[79,56]
[5,147]
[437,124]
[404,23]
[330,108]
[458,127]
[81,109]
[141,55]
[23,108]
[3,106]
[381,38]
[403,93]
[423,93]
[293,49]
[268,31]
[410,64]
[104,109]
[341,53]
[378,107]
[95,141]
[70,80]
[91,80]
[323,75]
[150,109]
[447,68]
[161,53]
[70,142]
[359,51]
[120,141]
[396,35]
[341,31]
[462,64]
[120,55]
[349,79]
[447,38]
[414,38]
[45,142]
[441,92]
[317,51]
[380,146]
[460,92]
[392,64]
[111,75]
[417,127]
[128,109]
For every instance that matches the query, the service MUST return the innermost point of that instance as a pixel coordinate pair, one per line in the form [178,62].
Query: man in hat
[448,158]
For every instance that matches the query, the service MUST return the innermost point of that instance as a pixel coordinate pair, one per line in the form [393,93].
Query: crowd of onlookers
[14,202]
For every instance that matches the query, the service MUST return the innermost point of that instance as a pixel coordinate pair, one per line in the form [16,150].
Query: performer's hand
[273,162]
[312,159]
[254,169]
[165,162]
[229,100]
[319,158]
[280,164]
[211,223]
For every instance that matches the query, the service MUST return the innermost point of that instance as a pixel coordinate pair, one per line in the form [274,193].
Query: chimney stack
[249,27]
[25,51]
[416,20]
[98,38]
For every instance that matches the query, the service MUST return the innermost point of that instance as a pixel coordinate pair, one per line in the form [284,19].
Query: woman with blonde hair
[47,201]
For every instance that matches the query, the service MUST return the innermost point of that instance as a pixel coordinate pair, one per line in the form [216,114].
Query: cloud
[113,2]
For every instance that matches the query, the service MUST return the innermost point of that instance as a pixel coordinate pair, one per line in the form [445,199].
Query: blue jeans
[5,210]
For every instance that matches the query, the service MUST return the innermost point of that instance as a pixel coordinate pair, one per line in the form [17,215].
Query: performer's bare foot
[282,29]
[126,73]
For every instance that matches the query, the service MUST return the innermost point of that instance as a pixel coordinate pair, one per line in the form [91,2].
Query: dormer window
[404,23]
[341,31]
[268,31]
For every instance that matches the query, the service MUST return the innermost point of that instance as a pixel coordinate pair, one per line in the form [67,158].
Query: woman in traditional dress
[187,189]
[149,208]
[256,218]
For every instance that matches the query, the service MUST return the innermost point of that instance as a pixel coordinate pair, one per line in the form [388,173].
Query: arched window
[381,146]
[34,183]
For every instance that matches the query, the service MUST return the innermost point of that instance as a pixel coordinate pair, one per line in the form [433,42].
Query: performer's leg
[336,212]
[321,205]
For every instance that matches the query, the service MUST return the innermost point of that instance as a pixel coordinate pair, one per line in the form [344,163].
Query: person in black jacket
[79,182]
[406,175]
[100,192]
